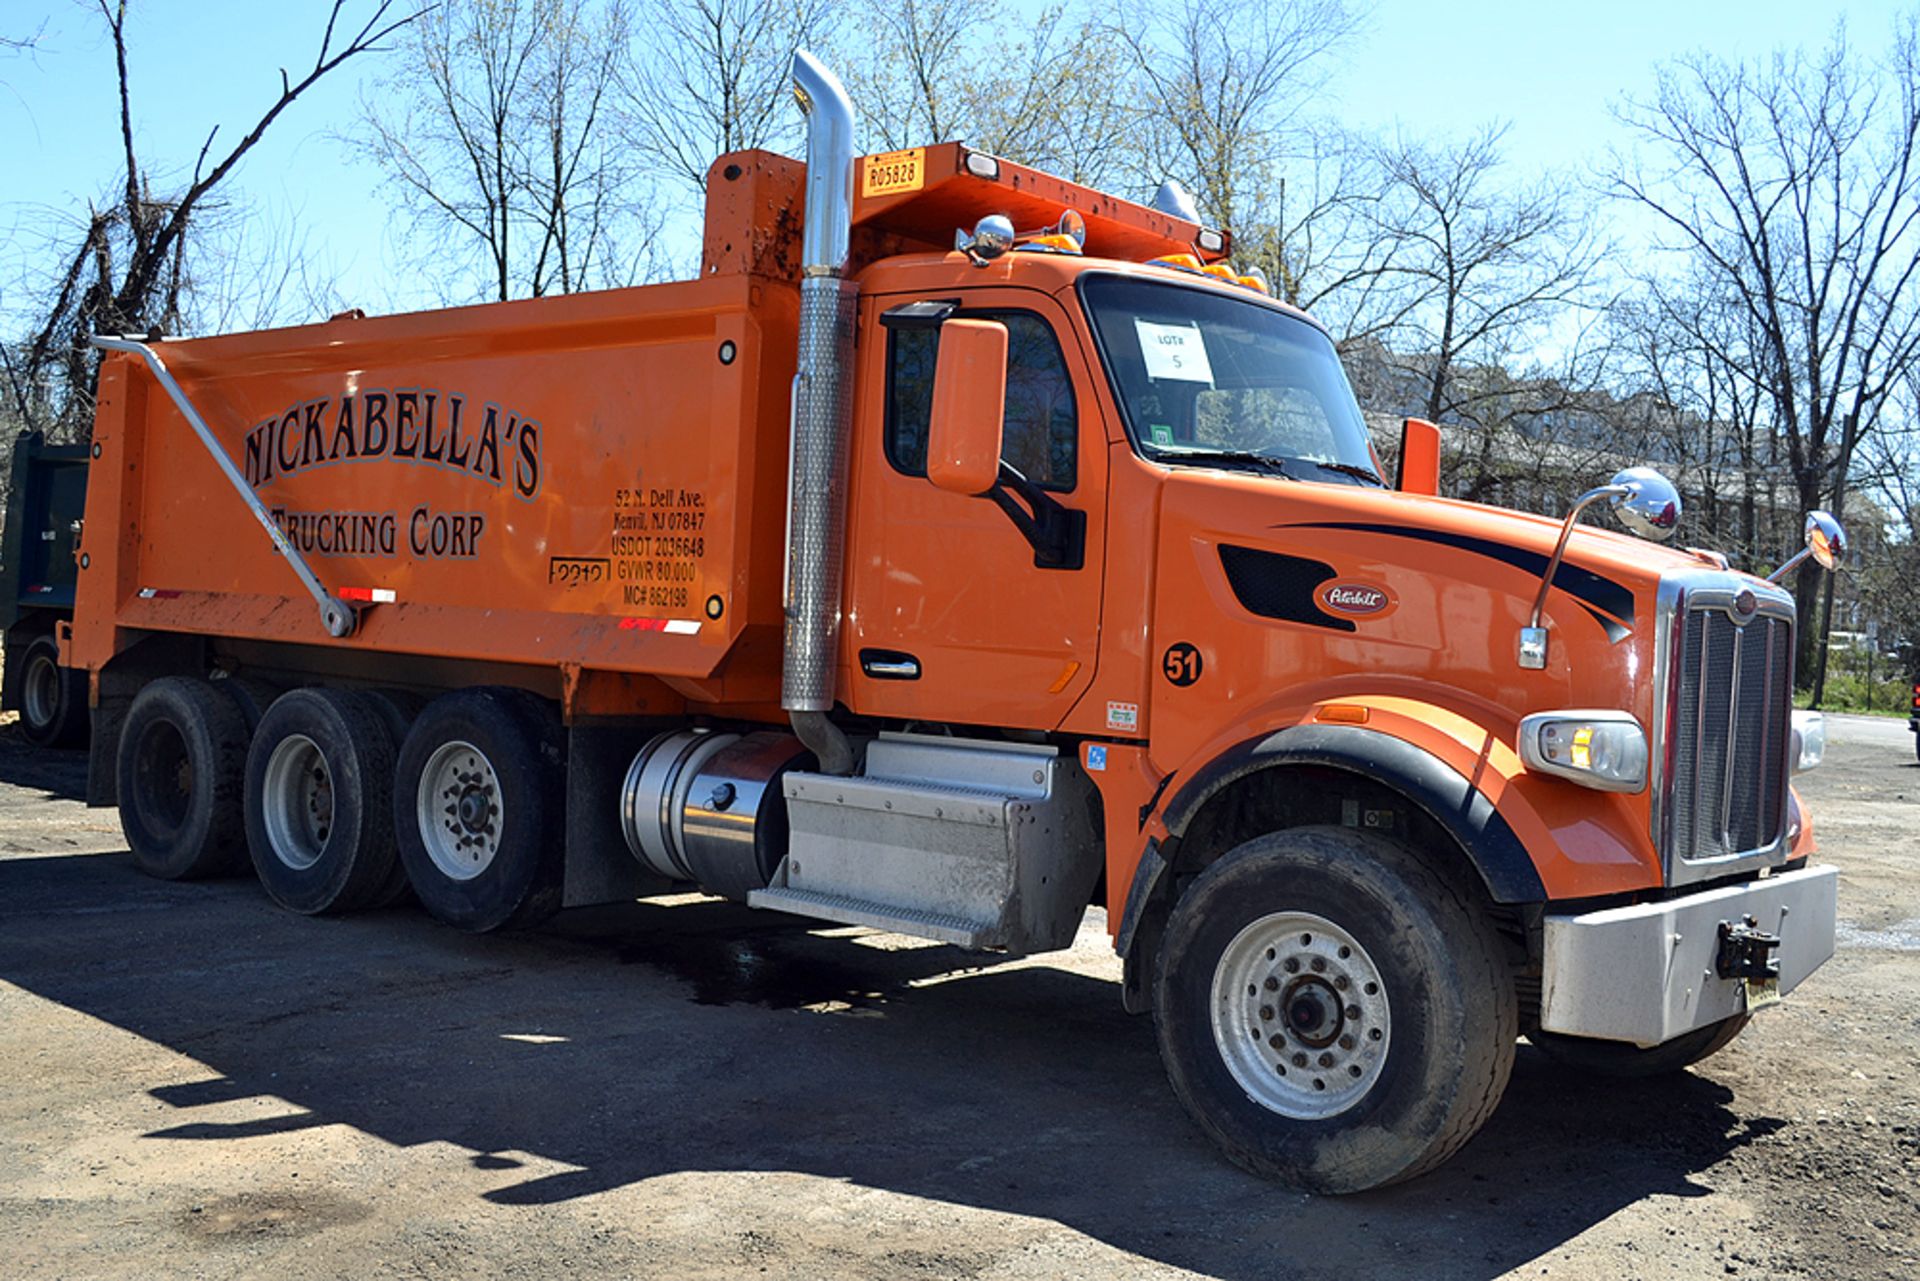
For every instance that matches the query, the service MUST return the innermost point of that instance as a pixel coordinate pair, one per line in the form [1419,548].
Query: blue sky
[1551,70]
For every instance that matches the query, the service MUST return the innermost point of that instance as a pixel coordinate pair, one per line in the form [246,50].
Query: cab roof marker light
[1178,262]
[1067,236]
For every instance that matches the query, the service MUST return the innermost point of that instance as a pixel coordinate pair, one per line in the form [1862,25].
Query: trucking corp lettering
[414,425]
[429,534]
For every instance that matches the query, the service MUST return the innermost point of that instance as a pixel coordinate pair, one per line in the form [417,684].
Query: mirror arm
[1580,504]
[1792,564]
[1057,534]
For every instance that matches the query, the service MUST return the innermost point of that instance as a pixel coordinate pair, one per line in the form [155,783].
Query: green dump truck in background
[45,498]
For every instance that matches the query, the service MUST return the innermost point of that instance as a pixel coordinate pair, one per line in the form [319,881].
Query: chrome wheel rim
[40,695]
[459,810]
[1300,1015]
[297,802]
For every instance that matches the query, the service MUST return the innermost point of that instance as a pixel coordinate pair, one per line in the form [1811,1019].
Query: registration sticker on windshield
[1175,353]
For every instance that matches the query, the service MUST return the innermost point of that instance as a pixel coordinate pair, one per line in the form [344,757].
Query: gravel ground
[196,1084]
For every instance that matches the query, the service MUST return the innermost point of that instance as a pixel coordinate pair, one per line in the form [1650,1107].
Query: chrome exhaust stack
[822,413]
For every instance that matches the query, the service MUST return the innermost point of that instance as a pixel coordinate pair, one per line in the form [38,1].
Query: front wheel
[1332,1011]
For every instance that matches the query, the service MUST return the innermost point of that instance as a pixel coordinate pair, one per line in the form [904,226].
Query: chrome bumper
[1646,973]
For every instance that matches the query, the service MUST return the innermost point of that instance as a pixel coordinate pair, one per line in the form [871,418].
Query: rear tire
[252,697]
[181,773]
[398,709]
[479,808]
[1620,1059]
[53,699]
[1332,1011]
[319,802]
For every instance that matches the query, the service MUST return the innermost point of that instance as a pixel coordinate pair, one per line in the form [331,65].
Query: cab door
[949,617]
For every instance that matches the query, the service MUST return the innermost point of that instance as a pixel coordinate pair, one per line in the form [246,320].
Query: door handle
[889,665]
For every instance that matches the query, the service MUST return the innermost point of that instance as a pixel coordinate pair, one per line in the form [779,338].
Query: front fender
[1532,838]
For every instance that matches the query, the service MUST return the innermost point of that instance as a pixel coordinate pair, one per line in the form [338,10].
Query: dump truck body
[583,484]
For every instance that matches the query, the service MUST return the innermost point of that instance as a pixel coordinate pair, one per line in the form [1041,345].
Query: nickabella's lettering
[430,427]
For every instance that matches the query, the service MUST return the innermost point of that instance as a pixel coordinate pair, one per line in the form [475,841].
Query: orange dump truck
[950,585]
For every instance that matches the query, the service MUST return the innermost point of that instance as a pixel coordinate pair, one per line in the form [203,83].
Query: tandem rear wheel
[479,807]
[181,771]
[1332,1011]
[319,802]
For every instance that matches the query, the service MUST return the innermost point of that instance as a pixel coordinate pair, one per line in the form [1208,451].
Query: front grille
[1732,687]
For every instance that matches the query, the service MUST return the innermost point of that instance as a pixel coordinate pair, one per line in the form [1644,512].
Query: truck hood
[1434,589]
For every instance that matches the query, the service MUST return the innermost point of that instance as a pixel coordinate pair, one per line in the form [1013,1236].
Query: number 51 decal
[1181,664]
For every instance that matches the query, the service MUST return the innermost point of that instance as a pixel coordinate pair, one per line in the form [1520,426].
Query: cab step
[981,844]
[957,930]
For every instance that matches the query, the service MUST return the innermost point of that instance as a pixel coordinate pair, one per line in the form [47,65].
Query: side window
[1041,431]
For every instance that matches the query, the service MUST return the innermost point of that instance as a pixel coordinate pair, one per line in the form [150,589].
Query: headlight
[1600,749]
[1809,741]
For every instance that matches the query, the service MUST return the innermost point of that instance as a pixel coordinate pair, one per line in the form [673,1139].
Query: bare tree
[1452,267]
[1793,188]
[130,268]
[1683,350]
[1222,86]
[497,136]
[19,43]
[706,77]
[1045,91]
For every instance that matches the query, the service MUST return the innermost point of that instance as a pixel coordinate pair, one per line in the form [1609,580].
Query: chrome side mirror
[1826,540]
[1826,543]
[1646,503]
[992,236]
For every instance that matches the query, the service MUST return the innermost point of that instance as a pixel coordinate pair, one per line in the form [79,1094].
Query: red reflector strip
[672,626]
[157,593]
[368,595]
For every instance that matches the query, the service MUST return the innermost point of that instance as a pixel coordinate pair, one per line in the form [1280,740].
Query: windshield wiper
[1229,458]
[1351,469]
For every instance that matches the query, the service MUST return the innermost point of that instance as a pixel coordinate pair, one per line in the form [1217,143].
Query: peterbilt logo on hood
[1356,600]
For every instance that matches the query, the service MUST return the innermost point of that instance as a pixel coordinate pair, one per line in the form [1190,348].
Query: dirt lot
[195,1084]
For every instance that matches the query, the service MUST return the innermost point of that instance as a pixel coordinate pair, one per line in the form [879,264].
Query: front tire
[1620,1059]
[1333,1012]
[479,808]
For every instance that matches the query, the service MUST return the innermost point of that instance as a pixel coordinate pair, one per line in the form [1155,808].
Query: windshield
[1208,379]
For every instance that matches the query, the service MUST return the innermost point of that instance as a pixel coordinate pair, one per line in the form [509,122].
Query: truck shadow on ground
[635,1042]
[52,771]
